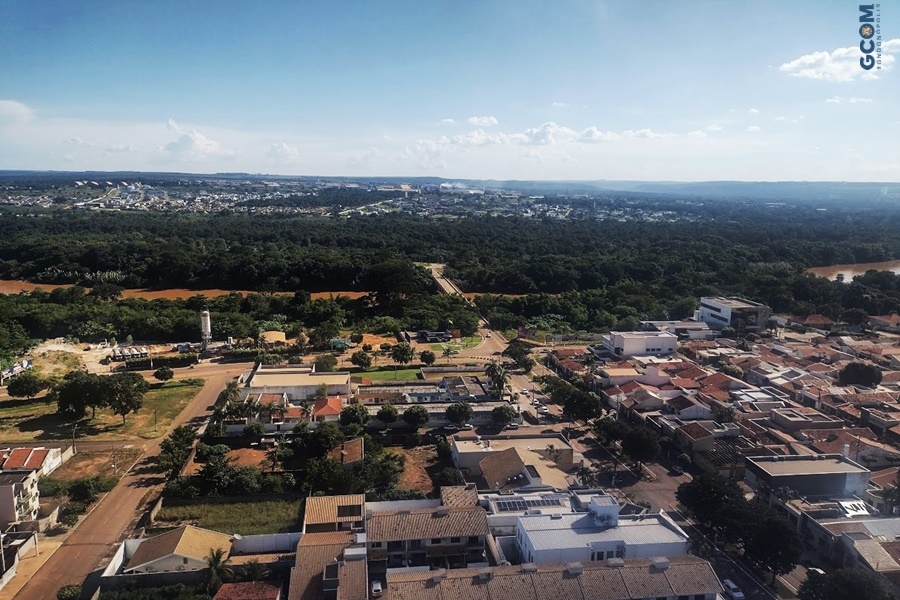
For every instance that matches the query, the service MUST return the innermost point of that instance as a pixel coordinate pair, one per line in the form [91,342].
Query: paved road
[115,515]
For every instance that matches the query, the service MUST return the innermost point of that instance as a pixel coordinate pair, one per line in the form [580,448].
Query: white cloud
[283,153]
[859,100]
[77,141]
[360,159]
[479,137]
[547,134]
[753,129]
[781,118]
[753,111]
[117,148]
[698,134]
[713,127]
[647,134]
[483,121]
[192,146]
[560,105]
[840,65]
[12,111]
[594,135]
[446,122]
[834,100]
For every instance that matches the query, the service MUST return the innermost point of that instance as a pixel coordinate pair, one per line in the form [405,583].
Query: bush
[444,451]
[181,487]
[182,360]
[254,430]
[69,592]
[205,452]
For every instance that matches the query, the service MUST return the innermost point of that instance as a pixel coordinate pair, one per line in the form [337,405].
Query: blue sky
[570,89]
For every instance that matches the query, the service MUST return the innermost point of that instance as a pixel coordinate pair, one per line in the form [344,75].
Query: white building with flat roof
[299,382]
[808,475]
[598,534]
[741,314]
[639,343]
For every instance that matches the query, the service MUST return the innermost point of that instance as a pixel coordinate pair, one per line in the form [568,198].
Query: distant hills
[772,191]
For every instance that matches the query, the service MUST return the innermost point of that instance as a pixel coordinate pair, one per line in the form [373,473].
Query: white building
[742,315]
[639,343]
[299,382]
[598,534]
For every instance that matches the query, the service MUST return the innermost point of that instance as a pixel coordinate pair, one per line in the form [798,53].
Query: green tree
[69,592]
[844,583]
[450,476]
[126,393]
[361,359]
[732,370]
[459,413]
[164,374]
[387,414]
[255,430]
[175,449]
[326,363]
[503,415]
[354,413]
[254,571]
[641,444]
[722,414]
[402,354]
[776,545]
[416,416]
[860,373]
[27,385]
[582,406]
[611,429]
[427,357]
[707,495]
[323,439]
[219,570]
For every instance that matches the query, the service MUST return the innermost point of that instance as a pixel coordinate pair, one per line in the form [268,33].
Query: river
[850,271]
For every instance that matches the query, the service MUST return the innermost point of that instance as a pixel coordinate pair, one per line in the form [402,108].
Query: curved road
[117,513]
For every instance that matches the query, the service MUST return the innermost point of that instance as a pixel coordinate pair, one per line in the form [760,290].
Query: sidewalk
[29,565]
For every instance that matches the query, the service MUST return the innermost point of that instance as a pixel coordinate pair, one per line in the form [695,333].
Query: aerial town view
[588,300]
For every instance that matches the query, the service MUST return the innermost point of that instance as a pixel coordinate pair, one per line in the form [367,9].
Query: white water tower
[205,329]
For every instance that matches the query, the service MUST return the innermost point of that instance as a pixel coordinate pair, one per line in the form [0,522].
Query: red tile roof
[36,460]
[349,452]
[695,431]
[271,398]
[687,384]
[328,406]
[17,458]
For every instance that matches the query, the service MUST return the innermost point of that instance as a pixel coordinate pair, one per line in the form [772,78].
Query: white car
[732,590]
[376,588]
[467,427]
[544,410]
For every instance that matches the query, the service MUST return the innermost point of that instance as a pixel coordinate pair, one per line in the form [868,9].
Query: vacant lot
[244,518]
[29,420]
[420,463]
[55,363]
[391,375]
[242,457]
[111,463]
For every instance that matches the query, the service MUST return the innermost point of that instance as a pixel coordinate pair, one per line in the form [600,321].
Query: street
[117,513]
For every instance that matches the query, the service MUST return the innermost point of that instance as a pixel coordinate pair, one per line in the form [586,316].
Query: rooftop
[806,465]
[334,509]
[294,376]
[186,540]
[632,578]
[349,452]
[732,302]
[426,523]
[578,529]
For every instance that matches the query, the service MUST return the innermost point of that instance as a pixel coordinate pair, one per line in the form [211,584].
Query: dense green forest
[572,274]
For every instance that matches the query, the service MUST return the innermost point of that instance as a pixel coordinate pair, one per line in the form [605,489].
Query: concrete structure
[808,475]
[625,344]
[469,451]
[205,329]
[682,578]
[19,497]
[299,382]
[43,460]
[685,330]
[738,313]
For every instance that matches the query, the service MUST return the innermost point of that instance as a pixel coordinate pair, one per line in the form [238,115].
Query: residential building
[809,475]
[349,453]
[334,513]
[599,534]
[685,330]
[625,344]
[469,451]
[681,578]
[19,497]
[738,313]
[327,409]
[299,382]
[440,537]
[183,549]
[402,393]
[44,460]
[328,566]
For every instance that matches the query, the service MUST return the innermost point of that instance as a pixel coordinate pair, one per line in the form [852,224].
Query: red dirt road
[115,515]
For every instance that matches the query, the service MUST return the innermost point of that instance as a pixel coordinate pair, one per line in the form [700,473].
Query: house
[249,590]
[44,460]
[329,564]
[19,497]
[439,537]
[464,388]
[299,382]
[470,451]
[327,409]
[183,549]
[683,577]
[334,513]
[349,453]
[889,322]
[402,393]
[688,409]
[602,533]
[808,475]
[519,469]
[738,313]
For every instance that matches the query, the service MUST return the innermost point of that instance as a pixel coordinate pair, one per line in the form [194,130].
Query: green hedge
[182,360]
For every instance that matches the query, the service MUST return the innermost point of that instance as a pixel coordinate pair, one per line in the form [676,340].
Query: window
[184,560]
[349,510]
[376,544]
[620,553]
[414,544]
[454,540]
[593,556]
[610,553]
[684,598]
[473,539]
[435,540]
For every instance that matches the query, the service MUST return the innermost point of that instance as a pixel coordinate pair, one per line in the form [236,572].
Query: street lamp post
[74,448]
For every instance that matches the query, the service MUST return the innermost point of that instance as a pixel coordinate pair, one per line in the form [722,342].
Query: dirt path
[115,515]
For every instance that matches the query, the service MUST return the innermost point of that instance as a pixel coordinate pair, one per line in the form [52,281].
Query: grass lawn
[391,375]
[244,518]
[30,420]
[55,363]
[457,344]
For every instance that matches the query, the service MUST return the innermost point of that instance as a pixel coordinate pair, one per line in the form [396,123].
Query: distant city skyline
[570,90]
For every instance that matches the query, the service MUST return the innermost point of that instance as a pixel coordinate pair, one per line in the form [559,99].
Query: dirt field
[88,464]
[55,363]
[14,286]
[415,473]
[377,340]
[243,457]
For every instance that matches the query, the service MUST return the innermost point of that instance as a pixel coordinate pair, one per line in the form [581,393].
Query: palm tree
[219,569]
[230,393]
[447,353]
[254,571]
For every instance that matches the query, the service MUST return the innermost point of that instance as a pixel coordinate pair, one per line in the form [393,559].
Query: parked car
[376,588]
[487,335]
[678,470]
[732,590]
[451,428]
[544,410]
[512,426]
[467,427]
